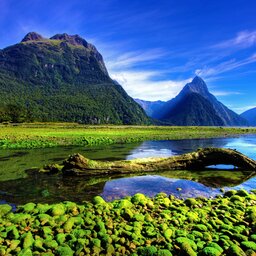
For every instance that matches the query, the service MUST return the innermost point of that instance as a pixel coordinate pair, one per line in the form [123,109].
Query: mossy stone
[187,250]
[57,210]
[164,252]
[64,251]
[235,250]
[147,251]
[25,252]
[28,240]
[139,199]
[98,200]
[4,209]
[249,245]
[29,207]
[230,193]
[168,233]
[242,192]
[190,201]
[210,251]
[181,240]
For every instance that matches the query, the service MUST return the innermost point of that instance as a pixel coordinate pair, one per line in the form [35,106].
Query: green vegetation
[135,225]
[53,80]
[40,135]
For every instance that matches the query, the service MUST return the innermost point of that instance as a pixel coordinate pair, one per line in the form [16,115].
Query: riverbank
[138,225]
[42,135]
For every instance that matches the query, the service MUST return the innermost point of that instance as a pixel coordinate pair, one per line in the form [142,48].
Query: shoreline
[40,135]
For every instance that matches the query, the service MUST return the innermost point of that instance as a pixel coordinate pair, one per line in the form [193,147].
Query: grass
[41,135]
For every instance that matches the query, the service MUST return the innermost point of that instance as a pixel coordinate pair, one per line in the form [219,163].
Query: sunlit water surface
[18,187]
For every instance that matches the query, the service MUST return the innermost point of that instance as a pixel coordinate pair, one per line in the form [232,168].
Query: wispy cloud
[240,110]
[225,66]
[243,39]
[142,85]
[225,93]
[134,58]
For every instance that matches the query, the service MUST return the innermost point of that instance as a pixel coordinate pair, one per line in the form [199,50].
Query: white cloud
[141,85]
[240,110]
[130,59]
[243,39]
[225,93]
[225,66]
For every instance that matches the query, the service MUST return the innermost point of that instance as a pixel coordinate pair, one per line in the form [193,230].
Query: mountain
[250,116]
[195,105]
[150,107]
[62,78]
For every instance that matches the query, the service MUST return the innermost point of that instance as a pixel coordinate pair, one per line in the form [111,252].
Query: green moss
[57,210]
[249,245]
[211,251]
[64,251]
[200,227]
[139,199]
[187,250]
[190,202]
[148,251]
[4,209]
[235,250]
[181,240]
[168,233]
[98,200]
[164,252]
[28,240]
[25,252]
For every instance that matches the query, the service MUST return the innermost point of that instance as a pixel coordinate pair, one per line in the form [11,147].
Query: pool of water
[17,187]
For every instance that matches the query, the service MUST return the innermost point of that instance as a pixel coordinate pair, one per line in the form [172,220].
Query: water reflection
[17,187]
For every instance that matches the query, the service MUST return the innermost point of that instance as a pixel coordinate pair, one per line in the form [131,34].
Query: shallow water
[18,187]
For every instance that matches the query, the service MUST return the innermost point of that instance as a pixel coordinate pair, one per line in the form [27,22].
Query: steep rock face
[32,36]
[250,116]
[193,109]
[150,107]
[219,112]
[63,78]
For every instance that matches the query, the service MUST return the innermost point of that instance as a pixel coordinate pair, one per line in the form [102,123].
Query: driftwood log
[79,165]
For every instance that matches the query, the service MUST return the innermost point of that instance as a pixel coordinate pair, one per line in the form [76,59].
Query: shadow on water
[18,187]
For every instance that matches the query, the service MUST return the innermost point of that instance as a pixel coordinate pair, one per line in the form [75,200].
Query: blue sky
[153,48]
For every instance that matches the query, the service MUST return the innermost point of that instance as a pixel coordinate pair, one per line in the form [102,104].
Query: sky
[154,47]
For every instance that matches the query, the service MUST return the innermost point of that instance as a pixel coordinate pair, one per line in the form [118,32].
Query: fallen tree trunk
[79,165]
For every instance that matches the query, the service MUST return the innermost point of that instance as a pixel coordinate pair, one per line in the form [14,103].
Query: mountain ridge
[168,112]
[63,78]
[250,116]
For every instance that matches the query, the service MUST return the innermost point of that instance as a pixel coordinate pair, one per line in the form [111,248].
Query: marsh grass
[41,135]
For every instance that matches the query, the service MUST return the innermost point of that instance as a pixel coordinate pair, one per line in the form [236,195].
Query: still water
[16,186]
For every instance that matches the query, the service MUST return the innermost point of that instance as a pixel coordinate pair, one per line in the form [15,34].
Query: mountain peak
[32,36]
[72,39]
[197,86]
[198,79]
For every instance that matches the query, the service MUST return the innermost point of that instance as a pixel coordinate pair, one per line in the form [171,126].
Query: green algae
[138,225]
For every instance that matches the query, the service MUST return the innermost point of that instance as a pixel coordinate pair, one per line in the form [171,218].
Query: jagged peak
[32,36]
[198,79]
[72,39]
[197,85]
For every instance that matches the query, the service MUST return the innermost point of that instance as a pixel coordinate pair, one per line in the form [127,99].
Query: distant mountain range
[150,107]
[62,78]
[194,105]
[250,116]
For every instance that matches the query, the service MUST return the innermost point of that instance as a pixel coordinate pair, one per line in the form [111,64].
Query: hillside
[195,105]
[63,78]
[250,116]
[150,107]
